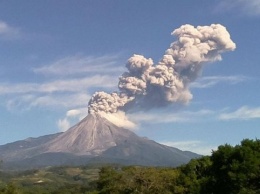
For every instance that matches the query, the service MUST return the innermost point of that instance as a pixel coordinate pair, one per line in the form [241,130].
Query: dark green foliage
[9,189]
[65,180]
[236,169]
[194,176]
[146,180]
[229,170]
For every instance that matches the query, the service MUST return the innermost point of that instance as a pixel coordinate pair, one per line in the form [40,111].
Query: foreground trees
[229,170]
[236,169]
[139,180]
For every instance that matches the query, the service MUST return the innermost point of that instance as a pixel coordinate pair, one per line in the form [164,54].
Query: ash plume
[149,85]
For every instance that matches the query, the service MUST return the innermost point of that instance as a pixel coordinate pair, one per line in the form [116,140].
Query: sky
[56,54]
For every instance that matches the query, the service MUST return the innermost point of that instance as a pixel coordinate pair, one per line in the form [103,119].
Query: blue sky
[56,54]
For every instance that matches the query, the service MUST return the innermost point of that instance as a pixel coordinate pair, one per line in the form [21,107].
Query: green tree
[145,180]
[10,189]
[236,170]
[109,181]
[195,175]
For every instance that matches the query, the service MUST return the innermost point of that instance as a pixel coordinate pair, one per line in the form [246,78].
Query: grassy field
[51,180]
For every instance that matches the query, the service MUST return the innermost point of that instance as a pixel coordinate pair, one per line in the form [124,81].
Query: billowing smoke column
[147,85]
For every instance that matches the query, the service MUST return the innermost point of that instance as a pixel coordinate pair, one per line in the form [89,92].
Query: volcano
[94,140]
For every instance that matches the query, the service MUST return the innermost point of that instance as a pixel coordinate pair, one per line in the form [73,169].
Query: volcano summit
[144,85]
[92,140]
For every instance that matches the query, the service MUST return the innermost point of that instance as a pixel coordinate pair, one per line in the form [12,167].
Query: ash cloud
[149,85]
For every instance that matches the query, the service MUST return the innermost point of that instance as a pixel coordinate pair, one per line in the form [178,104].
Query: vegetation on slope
[63,180]
[229,170]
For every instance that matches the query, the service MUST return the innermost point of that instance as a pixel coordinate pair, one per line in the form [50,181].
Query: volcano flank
[145,85]
[92,140]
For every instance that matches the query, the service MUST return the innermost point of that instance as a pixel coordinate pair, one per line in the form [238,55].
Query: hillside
[229,170]
[92,140]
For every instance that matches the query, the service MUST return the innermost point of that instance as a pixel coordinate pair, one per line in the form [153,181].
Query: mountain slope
[92,135]
[92,140]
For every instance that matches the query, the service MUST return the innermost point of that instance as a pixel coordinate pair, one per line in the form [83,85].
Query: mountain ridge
[93,140]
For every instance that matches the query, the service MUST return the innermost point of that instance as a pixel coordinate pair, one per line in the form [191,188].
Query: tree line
[229,170]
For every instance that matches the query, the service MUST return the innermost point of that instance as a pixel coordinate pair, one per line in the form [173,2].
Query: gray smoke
[148,85]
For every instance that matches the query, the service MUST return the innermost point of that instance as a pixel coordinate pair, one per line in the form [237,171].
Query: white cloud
[120,119]
[243,113]
[169,117]
[247,7]
[210,81]
[26,102]
[68,101]
[8,32]
[77,114]
[72,82]
[80,113]
[63,124]
[78,64]
[193,146]
[72,116]
[66,85]
[154,118]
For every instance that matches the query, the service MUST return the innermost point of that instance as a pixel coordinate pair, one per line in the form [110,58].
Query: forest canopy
[229,170]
